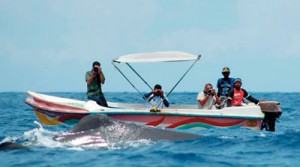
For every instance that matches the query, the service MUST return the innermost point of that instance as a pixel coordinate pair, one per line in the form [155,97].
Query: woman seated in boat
[208,97]
[156,98]
[237,95]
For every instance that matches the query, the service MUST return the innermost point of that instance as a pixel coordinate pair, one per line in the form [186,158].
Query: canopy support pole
[182,77]
[138,75]
[127,79]
[147,83]
[132,83]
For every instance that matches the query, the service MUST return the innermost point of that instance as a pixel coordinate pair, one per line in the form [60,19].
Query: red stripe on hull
[157,122]
[175,121]
[66,117]
[206,121]
[51,106]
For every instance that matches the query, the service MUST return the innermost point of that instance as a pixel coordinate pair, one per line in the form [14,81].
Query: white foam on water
[262,134]
[89,141]
[113,137]
[41,137]
[44,138]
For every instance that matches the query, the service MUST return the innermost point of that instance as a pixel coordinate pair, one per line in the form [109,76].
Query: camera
[95,69]
[158,92]
[209,91]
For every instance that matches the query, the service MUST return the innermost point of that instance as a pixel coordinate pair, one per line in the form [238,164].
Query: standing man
[225,84]
[94,79]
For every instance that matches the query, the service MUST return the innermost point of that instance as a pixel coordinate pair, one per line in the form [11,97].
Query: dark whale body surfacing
[96,125]
[100,129]
[11,146]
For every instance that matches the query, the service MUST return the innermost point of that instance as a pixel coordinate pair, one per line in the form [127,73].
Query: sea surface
[217,147]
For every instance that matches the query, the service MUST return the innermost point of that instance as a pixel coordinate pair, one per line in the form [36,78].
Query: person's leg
[102,101]
[223,104]
[93,97]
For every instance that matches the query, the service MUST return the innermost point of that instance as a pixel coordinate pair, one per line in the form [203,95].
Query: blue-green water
[218,147]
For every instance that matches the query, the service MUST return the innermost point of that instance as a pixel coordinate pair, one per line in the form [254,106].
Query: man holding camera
[208,97]
[156,98]
[94,79]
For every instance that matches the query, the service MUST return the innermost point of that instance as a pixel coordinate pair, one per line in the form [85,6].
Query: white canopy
[167,56]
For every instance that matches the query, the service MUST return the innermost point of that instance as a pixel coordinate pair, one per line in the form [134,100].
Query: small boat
[53,110]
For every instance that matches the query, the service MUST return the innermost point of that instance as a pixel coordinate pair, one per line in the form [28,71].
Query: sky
[47,46]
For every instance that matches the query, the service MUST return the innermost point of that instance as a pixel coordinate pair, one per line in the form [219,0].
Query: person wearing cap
[208,97]
[156,98]
[225,84]
[94,79]
[237,95]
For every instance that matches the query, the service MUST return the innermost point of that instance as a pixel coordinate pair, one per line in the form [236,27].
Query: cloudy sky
[48,46]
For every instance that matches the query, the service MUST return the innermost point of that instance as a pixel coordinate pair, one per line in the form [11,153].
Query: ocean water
[217,147]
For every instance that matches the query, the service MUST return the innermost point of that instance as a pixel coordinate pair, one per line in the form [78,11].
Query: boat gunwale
[138,111]
[152,114]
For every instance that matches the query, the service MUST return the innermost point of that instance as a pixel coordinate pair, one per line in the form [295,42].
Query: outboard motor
[272,111]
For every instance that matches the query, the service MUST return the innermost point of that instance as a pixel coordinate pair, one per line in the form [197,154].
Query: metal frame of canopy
[167,56]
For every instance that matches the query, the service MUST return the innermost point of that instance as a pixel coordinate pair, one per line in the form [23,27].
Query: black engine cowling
[272,111]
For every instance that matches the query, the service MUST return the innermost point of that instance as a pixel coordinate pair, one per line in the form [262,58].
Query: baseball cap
[226,69]
[238,80]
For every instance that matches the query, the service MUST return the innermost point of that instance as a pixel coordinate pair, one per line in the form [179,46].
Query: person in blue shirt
[156,99]
[225,84]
